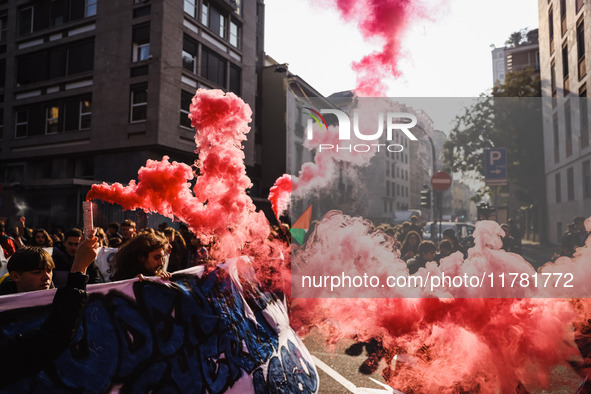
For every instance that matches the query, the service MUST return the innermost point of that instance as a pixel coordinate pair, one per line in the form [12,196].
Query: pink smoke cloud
[217,207]
[458,340]
[386,21]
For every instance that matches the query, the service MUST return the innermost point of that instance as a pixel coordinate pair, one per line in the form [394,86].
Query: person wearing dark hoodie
[28,353]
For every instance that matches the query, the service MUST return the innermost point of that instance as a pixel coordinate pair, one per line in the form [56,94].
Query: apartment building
[91,89]
[565,36]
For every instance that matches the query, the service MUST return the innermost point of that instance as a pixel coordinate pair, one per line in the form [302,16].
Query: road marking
[350,386]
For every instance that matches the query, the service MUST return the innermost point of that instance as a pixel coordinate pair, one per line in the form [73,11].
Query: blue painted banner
[200,333]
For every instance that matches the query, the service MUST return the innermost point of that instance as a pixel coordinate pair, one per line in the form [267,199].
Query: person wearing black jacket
[29,353]
[63,257]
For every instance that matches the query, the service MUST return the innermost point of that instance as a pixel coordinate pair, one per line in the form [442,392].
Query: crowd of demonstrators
[574,237]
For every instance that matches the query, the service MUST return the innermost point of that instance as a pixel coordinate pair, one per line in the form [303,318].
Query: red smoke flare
[218,207]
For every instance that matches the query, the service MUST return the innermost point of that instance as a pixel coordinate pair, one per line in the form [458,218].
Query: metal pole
[439,235]
[497,203]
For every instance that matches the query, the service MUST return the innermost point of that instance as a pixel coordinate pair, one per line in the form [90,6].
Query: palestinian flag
[301,226]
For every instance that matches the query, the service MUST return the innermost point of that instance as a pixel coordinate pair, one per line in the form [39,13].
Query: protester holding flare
[24,355]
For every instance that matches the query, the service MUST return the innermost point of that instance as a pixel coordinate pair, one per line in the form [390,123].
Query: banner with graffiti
[202,332]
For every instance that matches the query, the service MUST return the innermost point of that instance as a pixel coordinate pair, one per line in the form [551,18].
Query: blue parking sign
[495,160]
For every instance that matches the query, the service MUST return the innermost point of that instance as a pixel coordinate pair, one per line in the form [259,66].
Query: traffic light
[426,198]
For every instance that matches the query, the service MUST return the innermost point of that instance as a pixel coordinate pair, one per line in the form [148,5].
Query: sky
[447,54]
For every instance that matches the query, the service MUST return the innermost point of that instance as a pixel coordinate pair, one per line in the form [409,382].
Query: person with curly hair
[141,255]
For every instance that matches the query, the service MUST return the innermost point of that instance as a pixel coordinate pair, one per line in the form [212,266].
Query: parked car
[462,229]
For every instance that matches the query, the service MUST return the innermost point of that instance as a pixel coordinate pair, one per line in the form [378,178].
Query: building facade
[565,36]
[91,89]
[515,57]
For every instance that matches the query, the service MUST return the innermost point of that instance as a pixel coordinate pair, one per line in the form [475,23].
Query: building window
[235,79]
[3,27]
[190,7]
[584,116]
[205,14]
[58,12]
[581,49]
[189,54]
[563,16]
[214,19]
[39,66]
[80,57]
[77,113]
[2,73]
[52,117]
[551,29]
[568,129]
[90,8]
[141,42]
[557,187]
[556,139]
[565,67]
[570,184]
[587,179]
[553,78]
[234,34]
[213,67]
[22,124]
[139,103]
[85,114]
[217,22]
[186,98]
[579,4]
[25,21]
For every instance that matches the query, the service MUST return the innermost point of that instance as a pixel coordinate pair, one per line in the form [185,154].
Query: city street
[537,254]
[343,371]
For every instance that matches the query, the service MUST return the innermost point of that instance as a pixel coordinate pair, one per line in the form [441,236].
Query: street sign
[495,160]
[441,181]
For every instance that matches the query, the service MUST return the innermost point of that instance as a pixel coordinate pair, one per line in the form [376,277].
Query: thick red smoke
[462,341]
[217,208]
[280,195]
[386,20]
